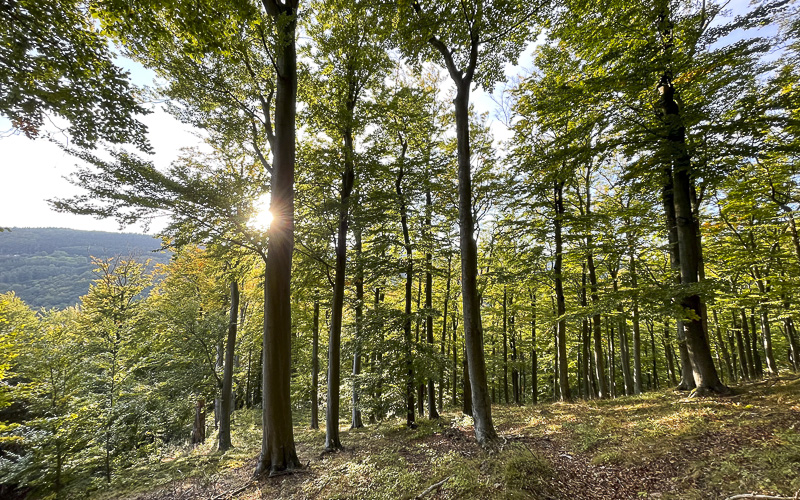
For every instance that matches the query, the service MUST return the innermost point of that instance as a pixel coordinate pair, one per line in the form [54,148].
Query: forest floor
[658,445]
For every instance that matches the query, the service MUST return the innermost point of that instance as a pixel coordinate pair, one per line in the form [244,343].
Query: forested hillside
[52,267]
[376,286]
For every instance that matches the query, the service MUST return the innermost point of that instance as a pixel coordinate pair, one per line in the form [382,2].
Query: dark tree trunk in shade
[432,413]
[688,245]
[452,345]
[515,382]
[277,446]
[467,390]
[726,357]
[561,324]
[637,337]
[534,356]
[624,346]
[356,422]
[505,344]
[612,366]
[759,366]
[199,427]
[651,330]
[745,357]
[669,354]
[227,372]
[407,339]
[315,365]
[586,379]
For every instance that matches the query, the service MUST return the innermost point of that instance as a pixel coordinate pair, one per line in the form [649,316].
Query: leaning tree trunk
[227,372]
[277,444]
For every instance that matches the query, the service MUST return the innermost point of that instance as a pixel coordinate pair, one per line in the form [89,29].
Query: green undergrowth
[686,447]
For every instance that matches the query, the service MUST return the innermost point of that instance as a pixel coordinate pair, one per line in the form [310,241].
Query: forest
[52,268]
[378,291]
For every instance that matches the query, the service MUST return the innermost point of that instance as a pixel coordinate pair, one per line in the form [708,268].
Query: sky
[34,171]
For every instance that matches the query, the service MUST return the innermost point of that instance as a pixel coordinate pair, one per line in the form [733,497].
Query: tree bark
[357,341]
[315,365]
[409,270]
[561,324]
[534,357]
[277,445]
[432,413]
[227,372]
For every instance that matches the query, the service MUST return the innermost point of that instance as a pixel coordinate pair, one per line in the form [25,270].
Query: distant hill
[51,267]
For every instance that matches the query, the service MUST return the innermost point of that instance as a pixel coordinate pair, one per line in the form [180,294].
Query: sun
[262,217]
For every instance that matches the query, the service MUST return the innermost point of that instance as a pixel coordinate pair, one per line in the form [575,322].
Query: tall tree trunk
[759,366]
[726,357]
[766,333]
[473,329]
[669,354]
[597,333]
[407,340]
[442,384]
[561,325]
[624,346]
[421,386]
[745,356]
[332,440]
[515,385]
[505,343]
[432,413]
[315,365]
[357,341]
[454,329]
[534,356]
[705,373]
[277,444]
[585,341]
[637,341]
[612,371]
[227,372]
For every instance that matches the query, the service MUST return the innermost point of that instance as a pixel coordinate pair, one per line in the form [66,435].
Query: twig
[432,488]
[231,494]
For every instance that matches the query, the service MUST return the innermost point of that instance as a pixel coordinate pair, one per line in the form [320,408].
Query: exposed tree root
[718,390]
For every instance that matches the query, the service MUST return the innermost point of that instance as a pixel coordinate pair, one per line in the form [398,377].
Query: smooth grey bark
[227,372]
[277,445]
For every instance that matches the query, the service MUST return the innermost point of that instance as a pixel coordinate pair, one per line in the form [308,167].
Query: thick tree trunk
[473,329]
[277,446]
[315,365]
[227,372]
[705,373]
